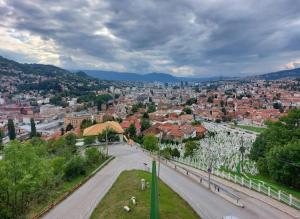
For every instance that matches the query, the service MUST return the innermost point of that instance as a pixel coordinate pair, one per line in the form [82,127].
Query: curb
[73,189]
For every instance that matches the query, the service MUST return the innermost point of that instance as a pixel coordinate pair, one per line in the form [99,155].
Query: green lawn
[60,191]
[251,128]
[128,185]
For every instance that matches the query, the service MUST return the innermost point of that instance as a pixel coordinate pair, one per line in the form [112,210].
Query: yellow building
[99,128]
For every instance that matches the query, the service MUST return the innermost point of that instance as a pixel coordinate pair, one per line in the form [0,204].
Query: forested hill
[39,77]
[11,67]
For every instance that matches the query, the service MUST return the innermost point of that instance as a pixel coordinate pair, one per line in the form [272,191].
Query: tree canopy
[276,150]
[150,142]
[31,171]
[190,148]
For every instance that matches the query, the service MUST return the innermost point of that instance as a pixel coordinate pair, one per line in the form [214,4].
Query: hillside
[39,77]
[293,73]
[10,66]
[125,76]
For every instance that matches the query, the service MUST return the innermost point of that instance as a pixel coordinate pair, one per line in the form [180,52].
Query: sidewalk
[270,201]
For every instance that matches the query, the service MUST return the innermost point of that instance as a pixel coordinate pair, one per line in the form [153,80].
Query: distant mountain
[125,76]
[293,73]
[150,77]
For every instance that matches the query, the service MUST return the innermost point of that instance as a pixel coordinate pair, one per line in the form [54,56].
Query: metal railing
[260,187]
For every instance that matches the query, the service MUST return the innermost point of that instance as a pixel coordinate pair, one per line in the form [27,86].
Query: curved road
[208,205]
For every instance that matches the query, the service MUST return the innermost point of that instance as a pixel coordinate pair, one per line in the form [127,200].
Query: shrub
[89,140]
[150,143]
[92,156]
[75,167]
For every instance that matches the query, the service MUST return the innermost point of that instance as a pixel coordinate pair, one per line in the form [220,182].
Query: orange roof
[99,128]
[200,129]
[54,136]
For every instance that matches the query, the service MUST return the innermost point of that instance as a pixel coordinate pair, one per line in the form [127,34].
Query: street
[207,204]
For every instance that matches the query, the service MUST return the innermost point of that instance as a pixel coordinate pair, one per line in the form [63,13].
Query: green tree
[1,139]
[166,153]
[25,176]
[132,130]
[102,99]
[284,164]
[86,123]
[191,101]
[134,108]
[111,136]
[150,142]
[145,124]
[145,115]
[151,108]
[75,167]
[210,99]
[89,140]
[57,165]
[187,110]
[93,156]
[33,132]
[11,129]
[272,150]
[190,148]
[175,152]
[222,103]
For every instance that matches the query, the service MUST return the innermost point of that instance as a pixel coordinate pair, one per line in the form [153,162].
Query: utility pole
[106,142]
[209,173]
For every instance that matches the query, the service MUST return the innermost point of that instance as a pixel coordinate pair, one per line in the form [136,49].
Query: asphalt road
[208,205]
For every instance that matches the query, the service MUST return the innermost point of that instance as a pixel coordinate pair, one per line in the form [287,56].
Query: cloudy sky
[181,37]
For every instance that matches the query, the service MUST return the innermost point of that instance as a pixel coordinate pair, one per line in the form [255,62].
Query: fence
[248,183]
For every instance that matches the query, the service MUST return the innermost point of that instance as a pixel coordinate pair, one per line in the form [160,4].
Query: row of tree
[277,150]
[12,130]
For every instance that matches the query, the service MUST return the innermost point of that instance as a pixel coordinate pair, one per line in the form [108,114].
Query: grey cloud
[220,37]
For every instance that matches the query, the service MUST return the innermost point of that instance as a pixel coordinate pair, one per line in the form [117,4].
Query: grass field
[251,128]
[127,185]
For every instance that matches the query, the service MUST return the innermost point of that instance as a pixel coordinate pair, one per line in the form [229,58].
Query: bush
[175,152]
[75,167]
[89,140]
[187,110]
[150,143]
[190,148]
[166,153]
[92,156]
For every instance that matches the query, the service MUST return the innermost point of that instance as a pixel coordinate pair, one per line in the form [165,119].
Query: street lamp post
[106,142]
[209,173]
